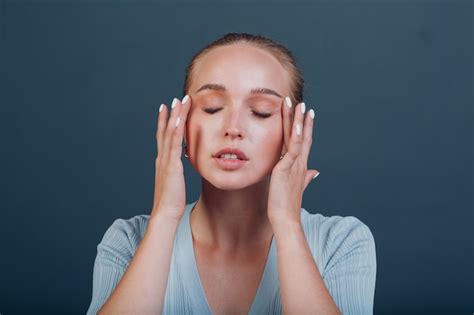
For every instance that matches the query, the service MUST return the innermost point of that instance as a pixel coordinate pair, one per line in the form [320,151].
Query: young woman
[245,246]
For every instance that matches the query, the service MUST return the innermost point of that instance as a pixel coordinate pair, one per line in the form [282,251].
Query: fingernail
[303,108]
[298,129]
[185,99]
[311,113]
[177,121]
[288,101]
[161,107]
[316,175]
[175,100]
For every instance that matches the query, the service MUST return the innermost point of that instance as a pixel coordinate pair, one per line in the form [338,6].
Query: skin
[231,212]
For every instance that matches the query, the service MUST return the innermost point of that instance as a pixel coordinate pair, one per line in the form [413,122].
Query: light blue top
[343,248]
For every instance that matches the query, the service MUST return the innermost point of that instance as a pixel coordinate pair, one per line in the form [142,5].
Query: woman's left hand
[290,176]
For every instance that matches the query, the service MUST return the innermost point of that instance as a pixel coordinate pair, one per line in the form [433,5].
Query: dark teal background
[390,81]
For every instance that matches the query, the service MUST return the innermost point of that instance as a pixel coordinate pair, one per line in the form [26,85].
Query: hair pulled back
[279,51]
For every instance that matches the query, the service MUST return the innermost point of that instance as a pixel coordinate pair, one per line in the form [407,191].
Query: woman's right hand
[170,194]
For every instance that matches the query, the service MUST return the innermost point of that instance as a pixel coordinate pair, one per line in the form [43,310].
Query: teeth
[229,156]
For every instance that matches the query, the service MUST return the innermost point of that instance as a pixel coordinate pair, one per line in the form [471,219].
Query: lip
[230,164]
[240,154]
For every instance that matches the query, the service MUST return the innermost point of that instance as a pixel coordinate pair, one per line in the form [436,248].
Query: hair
[279,51]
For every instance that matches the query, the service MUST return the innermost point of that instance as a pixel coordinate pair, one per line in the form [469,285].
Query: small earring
[185,149]
[281,156]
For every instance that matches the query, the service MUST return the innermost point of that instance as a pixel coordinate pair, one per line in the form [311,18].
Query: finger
[177,140]
[170,128]
[286,117]
[307,134]
[160,132]
[310,176]
[296,139]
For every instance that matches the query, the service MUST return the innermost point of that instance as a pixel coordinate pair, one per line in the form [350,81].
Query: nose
[233,124]
[233,132]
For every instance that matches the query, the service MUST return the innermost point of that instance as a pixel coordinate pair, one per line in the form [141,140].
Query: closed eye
[262,115]
[213,110]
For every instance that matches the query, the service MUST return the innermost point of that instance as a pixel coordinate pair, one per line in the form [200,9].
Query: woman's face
[237,69]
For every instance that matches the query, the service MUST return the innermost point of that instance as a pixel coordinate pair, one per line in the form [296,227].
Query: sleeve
[114,253]
[351,269]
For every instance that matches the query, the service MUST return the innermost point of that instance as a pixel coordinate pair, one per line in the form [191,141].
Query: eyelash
[213,110]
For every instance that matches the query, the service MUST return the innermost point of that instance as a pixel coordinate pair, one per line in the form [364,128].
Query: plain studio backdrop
[390,81]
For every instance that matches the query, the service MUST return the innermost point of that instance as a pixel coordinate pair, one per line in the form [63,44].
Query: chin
[233,181]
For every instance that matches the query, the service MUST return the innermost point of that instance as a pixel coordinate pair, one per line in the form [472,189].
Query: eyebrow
[220,87]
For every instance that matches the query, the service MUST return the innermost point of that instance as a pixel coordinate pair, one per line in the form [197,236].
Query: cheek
[270,142]
[199,134]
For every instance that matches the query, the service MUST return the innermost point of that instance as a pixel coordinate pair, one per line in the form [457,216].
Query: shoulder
[123,236]
[335,236]
[132,227]
[336,227]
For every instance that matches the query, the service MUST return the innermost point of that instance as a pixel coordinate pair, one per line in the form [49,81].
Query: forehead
[241,68]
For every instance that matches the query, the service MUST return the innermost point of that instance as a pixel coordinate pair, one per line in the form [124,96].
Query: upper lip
[241,155]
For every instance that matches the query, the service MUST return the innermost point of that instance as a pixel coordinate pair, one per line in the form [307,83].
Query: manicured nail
[185,99]
[161,107]
[298,129]
[311,113]
[175,100]
[288,101]
[303,108]
[177,121]
[316,175]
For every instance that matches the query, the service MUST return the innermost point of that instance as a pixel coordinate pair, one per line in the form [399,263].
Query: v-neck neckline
[266,289]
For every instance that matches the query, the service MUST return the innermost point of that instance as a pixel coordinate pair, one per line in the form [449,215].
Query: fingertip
[185,99]
[175,101]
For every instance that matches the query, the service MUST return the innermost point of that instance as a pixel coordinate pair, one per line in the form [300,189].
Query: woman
[246,245]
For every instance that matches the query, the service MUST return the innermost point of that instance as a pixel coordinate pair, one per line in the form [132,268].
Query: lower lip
[230,164]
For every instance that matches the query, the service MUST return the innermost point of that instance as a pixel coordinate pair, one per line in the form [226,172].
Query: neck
[232,219]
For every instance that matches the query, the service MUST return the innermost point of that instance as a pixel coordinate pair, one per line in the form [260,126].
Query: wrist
[163,217]
[285,225]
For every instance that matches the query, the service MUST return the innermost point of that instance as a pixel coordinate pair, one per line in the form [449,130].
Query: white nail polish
[175,100]
[316,175]
[288,101]
[177,121]
[303,108]
[185,99]
[161,107]
[311,113]
[298,129]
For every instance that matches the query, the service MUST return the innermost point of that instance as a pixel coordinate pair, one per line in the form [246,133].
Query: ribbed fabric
[343,248]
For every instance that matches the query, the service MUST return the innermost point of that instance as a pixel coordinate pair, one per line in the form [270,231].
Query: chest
[230,283]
